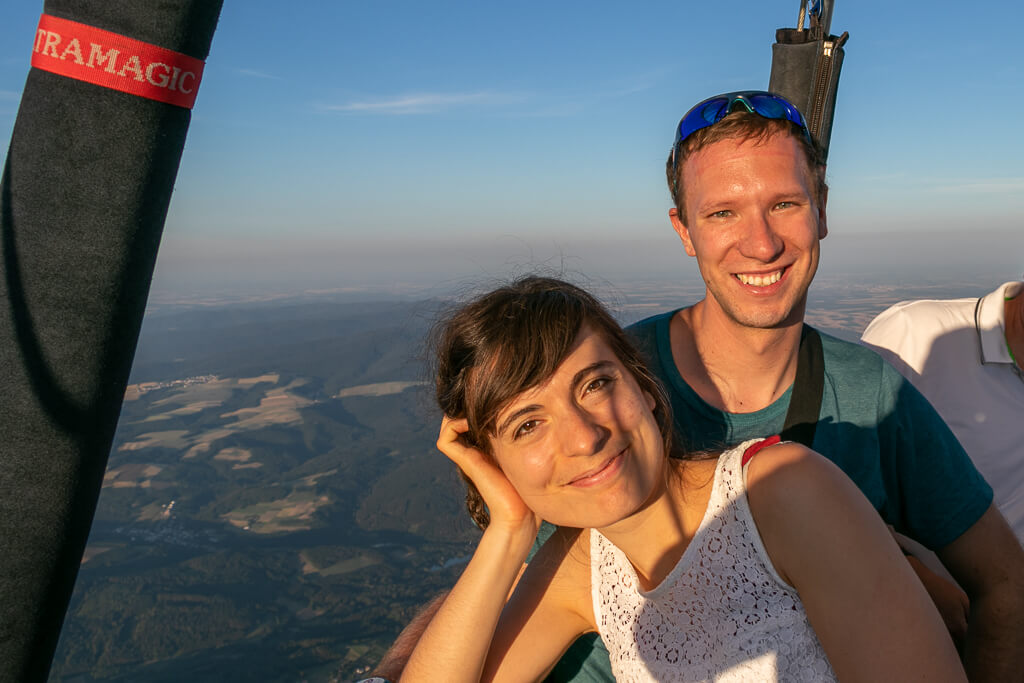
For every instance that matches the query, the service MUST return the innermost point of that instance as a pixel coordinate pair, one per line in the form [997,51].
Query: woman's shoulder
[797,497]
[789,468]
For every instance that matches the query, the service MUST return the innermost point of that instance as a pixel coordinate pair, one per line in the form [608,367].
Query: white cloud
[563,102]
[257,74]
[425,103]
[982,186]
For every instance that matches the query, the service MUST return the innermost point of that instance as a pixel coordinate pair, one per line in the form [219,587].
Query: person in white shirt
[966,357]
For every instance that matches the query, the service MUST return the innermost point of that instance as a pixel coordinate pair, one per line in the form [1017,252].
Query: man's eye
[525,428]
[724,213]
[784,205]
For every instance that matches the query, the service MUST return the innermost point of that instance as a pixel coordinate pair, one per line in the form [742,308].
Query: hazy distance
[192,270]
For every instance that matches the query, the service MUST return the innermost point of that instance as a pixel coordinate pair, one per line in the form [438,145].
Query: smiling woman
[733,568]
[521,335]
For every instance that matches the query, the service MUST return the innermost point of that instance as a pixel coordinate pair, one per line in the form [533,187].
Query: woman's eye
[596,385]
[525,428]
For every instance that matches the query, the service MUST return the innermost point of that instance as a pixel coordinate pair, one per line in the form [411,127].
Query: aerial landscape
[274,507]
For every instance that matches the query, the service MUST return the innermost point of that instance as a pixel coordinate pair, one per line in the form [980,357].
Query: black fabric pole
[806,63]
[83,199]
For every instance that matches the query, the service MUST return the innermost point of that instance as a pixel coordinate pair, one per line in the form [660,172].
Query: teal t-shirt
[873,424]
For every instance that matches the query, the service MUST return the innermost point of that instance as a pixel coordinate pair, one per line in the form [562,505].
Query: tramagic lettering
[160,75]
[113,61]
[97,57]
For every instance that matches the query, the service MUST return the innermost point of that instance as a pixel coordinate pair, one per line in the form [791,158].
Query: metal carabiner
[819,15]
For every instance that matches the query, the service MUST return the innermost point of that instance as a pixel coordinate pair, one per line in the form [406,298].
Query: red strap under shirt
[754,448]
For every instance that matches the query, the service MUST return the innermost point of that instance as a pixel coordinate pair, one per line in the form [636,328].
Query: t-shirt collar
[989,320]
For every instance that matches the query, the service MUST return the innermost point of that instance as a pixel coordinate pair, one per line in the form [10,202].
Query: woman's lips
[600,474]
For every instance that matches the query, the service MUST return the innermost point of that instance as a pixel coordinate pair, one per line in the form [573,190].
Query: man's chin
[765,319]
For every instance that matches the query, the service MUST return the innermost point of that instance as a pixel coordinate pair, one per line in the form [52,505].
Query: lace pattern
[722,614]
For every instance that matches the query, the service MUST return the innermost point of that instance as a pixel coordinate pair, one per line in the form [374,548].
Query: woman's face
[583,448]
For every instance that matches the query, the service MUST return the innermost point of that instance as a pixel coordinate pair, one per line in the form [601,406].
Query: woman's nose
[583,432]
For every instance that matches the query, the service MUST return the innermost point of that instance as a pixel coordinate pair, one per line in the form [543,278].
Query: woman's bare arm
[550,608]
[455,645]
[458,641]
[871,614]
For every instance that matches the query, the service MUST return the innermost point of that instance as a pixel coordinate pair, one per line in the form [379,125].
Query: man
[749,195]
[966,356]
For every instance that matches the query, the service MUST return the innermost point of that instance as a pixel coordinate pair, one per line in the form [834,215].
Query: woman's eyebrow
[593,367]
[507,422]
[576,379]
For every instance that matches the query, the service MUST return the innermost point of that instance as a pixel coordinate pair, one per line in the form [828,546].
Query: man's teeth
[760,280]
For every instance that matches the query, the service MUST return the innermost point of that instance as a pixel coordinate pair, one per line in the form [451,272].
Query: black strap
[805,403]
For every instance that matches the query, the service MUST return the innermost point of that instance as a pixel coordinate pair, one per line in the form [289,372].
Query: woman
[731,568]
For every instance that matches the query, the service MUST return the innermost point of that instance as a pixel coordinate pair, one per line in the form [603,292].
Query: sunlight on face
[753,226]
[583,448]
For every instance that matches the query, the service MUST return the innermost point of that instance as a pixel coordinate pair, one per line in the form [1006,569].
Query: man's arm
[988,561]
[397,656]
[394,660]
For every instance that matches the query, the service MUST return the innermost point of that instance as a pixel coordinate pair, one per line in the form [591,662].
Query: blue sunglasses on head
[714,109]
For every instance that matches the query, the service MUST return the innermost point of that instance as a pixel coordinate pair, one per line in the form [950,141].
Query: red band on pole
[107,59]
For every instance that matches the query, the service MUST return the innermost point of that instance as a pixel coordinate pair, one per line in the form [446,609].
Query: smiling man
[749,192]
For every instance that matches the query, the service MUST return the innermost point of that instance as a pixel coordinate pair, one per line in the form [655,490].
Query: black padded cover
[83,200]
[805,70]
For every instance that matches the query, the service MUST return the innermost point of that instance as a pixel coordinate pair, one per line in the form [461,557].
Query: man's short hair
[743,126]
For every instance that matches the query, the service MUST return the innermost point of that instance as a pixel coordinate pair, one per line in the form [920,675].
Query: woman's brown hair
[513,338]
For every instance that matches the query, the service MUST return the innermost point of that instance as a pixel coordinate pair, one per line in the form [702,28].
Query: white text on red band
[156,73]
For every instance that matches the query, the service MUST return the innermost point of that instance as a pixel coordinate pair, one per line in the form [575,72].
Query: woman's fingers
[501,498]
[453,442]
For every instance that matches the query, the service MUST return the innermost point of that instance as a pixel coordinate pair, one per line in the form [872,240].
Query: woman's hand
[506,507]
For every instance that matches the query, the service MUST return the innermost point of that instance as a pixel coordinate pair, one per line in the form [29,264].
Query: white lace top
[722,614]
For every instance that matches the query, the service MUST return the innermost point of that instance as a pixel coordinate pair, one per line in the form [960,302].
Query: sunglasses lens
[702,116]
[769,107]
[775,108]
[713,111]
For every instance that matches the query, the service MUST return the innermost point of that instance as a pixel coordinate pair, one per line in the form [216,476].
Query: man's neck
[1014,310]
[732,367]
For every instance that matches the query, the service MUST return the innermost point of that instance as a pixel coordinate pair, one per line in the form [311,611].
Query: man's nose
[759,240]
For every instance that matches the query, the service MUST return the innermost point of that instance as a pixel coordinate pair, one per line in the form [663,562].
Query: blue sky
[350,141]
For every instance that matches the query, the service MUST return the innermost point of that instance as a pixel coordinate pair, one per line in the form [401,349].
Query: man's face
[754,228]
